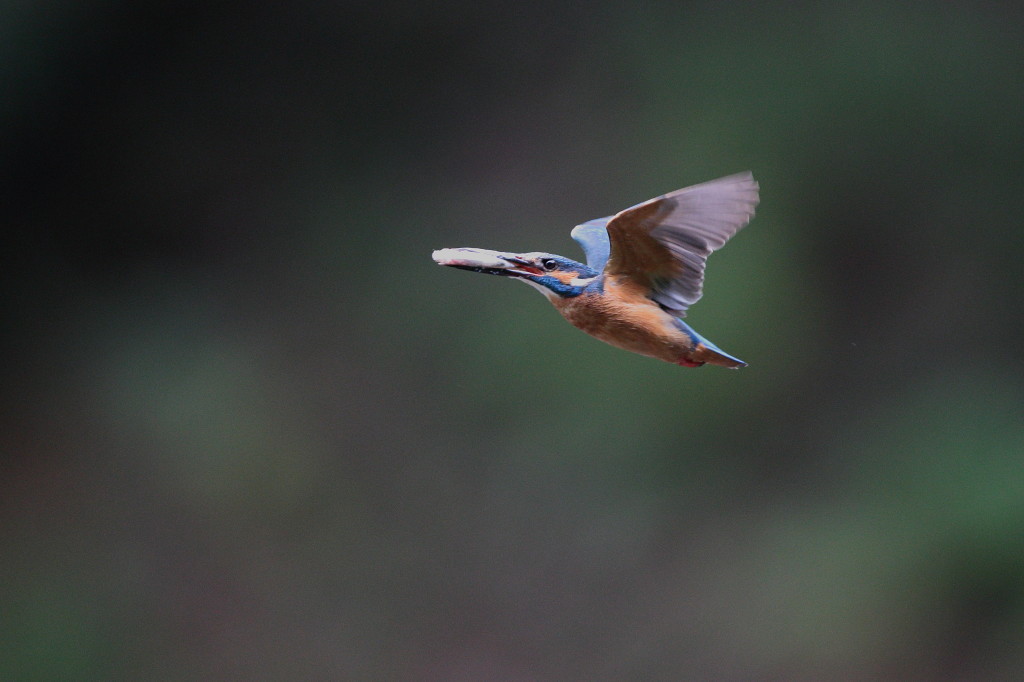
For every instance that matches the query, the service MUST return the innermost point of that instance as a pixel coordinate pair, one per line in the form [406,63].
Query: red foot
[689,363]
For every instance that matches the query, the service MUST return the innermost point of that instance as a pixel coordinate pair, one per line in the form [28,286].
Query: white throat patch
[540,287]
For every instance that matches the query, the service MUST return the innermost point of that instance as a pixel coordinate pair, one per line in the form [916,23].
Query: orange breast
[624,317]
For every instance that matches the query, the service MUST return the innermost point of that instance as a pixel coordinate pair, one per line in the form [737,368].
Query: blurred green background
[251,431]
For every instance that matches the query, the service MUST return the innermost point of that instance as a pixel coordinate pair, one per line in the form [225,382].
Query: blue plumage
[645,268]
[592,236]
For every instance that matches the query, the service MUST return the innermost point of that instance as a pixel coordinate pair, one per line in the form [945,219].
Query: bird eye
[549,263]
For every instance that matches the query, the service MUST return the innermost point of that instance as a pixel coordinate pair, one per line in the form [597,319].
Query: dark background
[251,431]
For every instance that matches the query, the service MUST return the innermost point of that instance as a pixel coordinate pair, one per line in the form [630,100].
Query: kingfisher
[644,269]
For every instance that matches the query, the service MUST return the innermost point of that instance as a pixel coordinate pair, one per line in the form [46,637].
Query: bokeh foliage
[252,432]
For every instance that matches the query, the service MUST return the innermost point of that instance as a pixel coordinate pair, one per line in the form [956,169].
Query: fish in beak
[486,261]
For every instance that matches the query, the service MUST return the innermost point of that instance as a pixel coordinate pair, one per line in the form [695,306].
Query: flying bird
[645,268]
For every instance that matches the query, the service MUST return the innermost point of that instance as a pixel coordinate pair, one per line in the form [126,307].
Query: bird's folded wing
[662,244]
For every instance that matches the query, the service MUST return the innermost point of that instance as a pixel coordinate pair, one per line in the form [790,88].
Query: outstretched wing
[592,236]
[663,244]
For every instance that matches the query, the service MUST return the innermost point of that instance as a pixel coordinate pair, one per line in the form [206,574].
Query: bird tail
[705,352]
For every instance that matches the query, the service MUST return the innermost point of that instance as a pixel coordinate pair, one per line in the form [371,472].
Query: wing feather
[663,243]
[592,236]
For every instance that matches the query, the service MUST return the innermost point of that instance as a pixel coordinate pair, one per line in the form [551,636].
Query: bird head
[554,276]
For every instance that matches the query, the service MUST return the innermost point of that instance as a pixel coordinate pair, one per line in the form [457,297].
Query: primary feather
[663,243]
